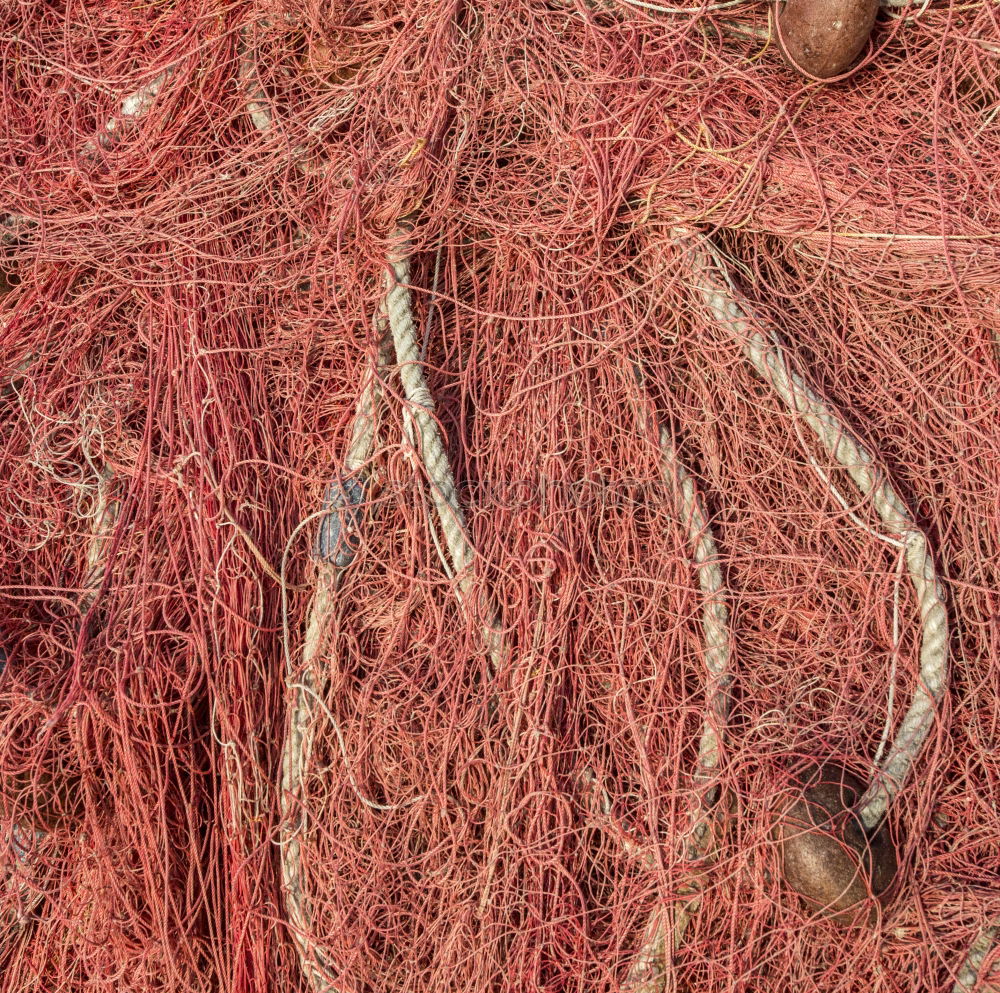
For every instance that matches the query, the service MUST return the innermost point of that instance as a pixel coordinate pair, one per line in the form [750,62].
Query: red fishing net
[198,203]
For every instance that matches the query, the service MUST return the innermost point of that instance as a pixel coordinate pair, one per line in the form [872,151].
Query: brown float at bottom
[826,855]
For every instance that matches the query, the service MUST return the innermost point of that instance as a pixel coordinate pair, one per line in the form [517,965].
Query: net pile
[198,204]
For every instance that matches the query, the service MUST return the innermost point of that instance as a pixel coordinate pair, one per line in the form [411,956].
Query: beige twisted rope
[400,326]
[133,106]
[296,750]
[430,444]
[648,971]
[294,756]
[714,615]
[295,753]
[306,700]
[771,361]
[305,697]
[399,309]
[968,974]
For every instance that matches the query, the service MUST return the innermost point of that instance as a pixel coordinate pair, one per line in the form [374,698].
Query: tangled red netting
[464,638]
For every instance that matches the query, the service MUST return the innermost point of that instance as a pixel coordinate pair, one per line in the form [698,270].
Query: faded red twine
[185,322]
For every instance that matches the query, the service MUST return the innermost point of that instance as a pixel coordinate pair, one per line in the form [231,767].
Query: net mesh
[198,204]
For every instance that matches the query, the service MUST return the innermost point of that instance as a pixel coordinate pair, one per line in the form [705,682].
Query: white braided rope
[305,696]
[429,442]
[714,611]
[717,651]
[968,974]
[647,974]
[305,699]
[772,362]
[304,703]
[301,726]
[398,307]
[359,448]
[294,757]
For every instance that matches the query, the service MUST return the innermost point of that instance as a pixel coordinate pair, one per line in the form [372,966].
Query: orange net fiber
[321,675]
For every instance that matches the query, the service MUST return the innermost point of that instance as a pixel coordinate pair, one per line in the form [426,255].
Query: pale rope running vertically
[305,689]
[771,360]
[714,623]
[298,742]
[431,452]
[305,697]
[647,974]
[430,445]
